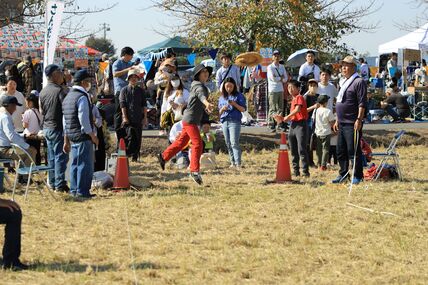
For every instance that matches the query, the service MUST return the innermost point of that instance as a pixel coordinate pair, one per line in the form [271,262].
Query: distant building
[11,9]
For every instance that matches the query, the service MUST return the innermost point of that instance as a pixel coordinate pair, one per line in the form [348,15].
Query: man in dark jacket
[51,98]
[133,110]
[79,134]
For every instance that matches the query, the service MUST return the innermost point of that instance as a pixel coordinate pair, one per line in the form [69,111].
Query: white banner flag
[53,17]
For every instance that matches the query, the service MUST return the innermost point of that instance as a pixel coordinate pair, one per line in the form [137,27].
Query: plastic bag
[102,179]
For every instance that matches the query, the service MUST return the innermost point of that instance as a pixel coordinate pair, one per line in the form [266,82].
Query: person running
[193,115]
[231,104]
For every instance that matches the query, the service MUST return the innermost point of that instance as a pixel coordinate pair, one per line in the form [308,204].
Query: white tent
[417,39]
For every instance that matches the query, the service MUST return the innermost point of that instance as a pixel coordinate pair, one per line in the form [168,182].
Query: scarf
[345,86]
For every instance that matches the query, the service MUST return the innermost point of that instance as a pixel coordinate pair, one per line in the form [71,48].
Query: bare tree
[32,12]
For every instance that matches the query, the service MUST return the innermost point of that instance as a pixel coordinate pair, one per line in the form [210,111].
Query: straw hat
[248,59]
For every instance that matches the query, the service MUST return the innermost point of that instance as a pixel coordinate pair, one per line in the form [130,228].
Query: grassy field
[235,230]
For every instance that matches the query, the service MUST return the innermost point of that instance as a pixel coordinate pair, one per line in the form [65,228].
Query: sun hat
[248,59]
[135,72]
[199,68]
[349,59]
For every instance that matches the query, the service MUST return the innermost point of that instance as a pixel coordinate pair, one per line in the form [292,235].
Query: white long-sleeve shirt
[277,75]
[8,133]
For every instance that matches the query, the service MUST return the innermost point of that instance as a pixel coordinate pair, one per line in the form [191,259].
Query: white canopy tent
[417,40]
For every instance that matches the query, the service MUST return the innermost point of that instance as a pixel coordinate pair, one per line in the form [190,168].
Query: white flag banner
[53,17]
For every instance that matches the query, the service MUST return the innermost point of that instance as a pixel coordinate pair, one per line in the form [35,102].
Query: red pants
[189,132]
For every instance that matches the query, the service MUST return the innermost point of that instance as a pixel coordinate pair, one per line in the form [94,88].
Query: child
[298,133]
[208,137]
[31,121]
[324,120]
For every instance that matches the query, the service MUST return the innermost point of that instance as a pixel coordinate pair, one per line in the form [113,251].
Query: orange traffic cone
[283,173]
[121,178]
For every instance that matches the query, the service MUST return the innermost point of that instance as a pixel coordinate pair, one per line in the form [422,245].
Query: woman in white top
[177,97]
[17,115]
[32,121]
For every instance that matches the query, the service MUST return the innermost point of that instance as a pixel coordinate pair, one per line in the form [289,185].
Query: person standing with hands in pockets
[80,136]
[195,113]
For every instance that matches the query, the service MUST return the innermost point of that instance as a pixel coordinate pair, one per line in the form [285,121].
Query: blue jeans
[396,113]
[82,167]
[345,151]
[57,159]
[232,132]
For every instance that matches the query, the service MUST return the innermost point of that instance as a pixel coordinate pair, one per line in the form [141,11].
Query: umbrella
[298,58]
[248,59]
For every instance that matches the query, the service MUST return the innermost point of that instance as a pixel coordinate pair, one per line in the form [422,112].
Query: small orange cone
[283,173]
[121,178]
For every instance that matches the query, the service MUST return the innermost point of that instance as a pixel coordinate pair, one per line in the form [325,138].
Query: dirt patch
[257,142]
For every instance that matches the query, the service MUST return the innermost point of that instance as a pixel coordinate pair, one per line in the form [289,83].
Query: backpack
[366,149]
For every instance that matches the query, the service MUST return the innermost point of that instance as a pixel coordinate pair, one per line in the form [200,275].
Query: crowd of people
[64,115]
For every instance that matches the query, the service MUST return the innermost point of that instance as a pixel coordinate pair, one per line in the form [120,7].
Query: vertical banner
[53,17]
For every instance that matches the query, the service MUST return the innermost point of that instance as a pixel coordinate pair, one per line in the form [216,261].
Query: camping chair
[21,169]
[389,153]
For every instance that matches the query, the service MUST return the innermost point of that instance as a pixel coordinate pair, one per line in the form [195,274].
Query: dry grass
[236,230]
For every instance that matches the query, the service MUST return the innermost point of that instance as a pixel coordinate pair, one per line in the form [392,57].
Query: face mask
[88,88]
[7,73]
[175,83]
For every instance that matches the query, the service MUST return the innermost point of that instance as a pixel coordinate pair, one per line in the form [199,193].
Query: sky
[133,23]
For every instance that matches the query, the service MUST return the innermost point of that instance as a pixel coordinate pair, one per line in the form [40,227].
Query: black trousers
[12,236]
[345,150]
[100,153]
[36,143]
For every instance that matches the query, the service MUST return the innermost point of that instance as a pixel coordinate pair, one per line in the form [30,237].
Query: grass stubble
[235,230]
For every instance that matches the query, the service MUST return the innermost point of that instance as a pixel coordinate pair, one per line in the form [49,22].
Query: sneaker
[16,266]
[306,174]
[196,177]
[238,167]
[272,131]
[356,180]
[323,168]
[161,161]
[232,165]
[63,189]
[296,173]
[339,179]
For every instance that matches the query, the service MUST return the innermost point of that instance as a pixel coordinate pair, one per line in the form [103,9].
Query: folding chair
[389,153]
[21,169]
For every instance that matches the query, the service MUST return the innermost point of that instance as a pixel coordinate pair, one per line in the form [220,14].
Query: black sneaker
[161,161]
[296,173]
[16,266]
[63,189]
[196,177]
[306,174]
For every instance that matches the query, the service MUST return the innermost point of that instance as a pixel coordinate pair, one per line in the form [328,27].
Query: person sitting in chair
[8,134]
[396,104]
